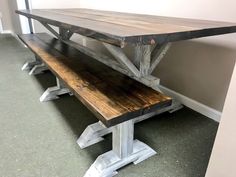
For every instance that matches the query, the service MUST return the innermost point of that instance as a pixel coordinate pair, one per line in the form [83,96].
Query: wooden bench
[110,95]
[114,98]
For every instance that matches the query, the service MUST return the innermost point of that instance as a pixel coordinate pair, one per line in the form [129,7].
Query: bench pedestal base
[38,69]
[94,133]
[35,66]
[29,65]
[53,93]
[107,164]
[125,150]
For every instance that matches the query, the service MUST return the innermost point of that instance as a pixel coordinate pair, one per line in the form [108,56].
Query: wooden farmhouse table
[150,38]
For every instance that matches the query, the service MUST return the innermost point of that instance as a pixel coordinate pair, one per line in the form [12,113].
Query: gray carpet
[39,139]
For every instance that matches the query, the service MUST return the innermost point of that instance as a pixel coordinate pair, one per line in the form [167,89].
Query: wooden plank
[110,95]
[140,21]
[122,28]
[144,18]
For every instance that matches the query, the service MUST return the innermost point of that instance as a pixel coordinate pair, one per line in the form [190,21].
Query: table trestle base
[124,151]
[148,80]
[53,93]
[146,58]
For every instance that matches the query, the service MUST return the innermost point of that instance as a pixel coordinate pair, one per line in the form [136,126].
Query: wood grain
[122,28]
[110,95]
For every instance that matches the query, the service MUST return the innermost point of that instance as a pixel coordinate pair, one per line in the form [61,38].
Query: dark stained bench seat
[113,97]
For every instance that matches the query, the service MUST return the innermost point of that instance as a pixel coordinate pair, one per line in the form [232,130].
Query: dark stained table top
[122,28]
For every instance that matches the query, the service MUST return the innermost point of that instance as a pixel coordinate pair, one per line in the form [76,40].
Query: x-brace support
[145,61]
[122,58]
[157,54]
[64,34]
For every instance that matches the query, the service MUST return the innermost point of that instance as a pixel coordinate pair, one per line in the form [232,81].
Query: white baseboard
[196,106]
[7,32]
[1,28]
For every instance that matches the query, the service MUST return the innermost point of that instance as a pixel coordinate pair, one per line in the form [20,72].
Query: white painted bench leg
[35,67]
[94,133]
[30,64]
[53,93]
[124,151]
[38,69]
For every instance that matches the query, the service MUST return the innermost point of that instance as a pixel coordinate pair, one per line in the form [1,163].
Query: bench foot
[29,65]
[107,164]
[93,134]
[38,69]
[125,151]
[53,93]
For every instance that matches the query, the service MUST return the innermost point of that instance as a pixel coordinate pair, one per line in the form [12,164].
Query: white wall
[6,17]
[53,4]
[10,20]
[223,158]
[182,8]
[199,69]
